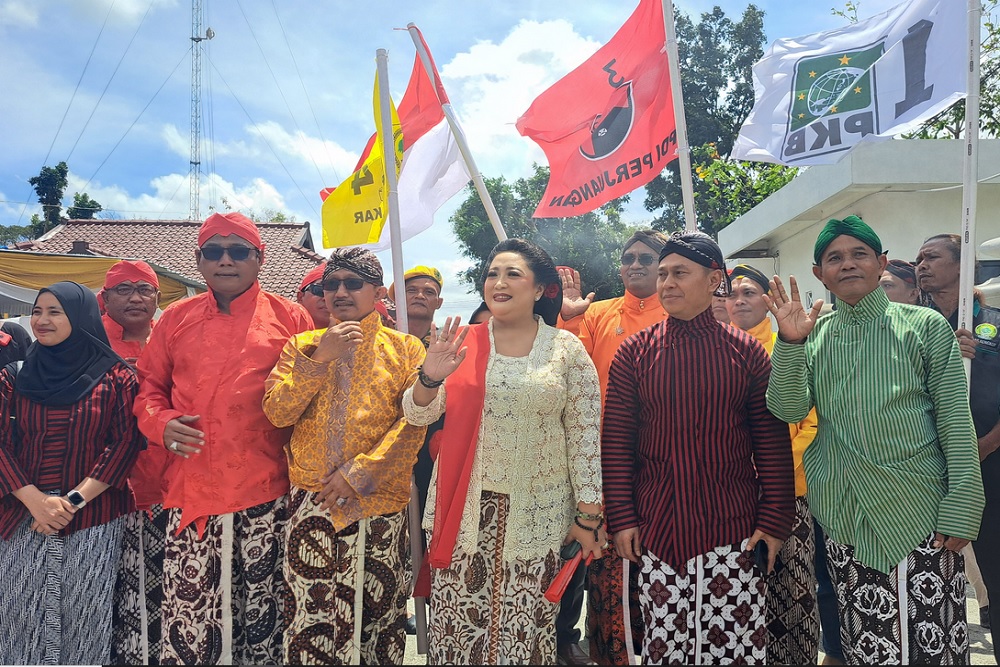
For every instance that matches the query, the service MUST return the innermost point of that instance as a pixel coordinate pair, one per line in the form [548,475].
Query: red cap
[316,274]
[132,271]
[229,224]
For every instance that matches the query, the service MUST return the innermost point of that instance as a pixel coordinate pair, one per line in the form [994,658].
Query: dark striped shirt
[691,455]
[99,439]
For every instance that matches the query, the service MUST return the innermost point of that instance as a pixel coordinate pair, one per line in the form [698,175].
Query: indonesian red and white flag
[607,127]
[433,170]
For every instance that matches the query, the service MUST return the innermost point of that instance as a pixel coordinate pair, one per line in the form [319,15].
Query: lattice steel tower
[195,169]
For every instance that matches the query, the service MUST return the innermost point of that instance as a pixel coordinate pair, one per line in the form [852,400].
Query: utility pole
[194,172]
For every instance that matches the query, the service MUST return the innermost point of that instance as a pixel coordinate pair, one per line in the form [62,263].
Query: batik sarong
[139,591]
[612,607]
[915,615]
[223,593]
[792,612]
[56,595]
[484,611]
[711,611]
[329,622]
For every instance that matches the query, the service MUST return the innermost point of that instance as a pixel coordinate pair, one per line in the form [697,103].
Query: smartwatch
[76,499]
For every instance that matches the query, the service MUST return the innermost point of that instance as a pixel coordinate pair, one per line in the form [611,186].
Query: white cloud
[19,14]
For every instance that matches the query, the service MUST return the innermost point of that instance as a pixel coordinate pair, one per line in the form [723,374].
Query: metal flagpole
[457,132]
[402,321]
[683,149]
[970,178]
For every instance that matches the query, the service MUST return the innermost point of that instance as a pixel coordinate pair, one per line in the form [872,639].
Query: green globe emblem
[826,90]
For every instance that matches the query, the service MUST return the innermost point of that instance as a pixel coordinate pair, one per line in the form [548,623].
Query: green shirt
[895,456]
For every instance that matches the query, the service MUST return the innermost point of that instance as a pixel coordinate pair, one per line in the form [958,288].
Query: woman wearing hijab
[67,443]
[14,342]
[519,468]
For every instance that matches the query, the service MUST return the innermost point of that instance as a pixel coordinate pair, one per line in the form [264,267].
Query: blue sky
[286,95]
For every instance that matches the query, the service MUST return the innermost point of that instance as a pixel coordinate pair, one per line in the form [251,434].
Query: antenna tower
[195,166]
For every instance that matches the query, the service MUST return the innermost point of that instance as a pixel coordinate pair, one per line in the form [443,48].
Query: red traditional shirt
[55,448]
[201,361]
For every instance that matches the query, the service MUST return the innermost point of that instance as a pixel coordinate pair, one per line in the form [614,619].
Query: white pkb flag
[819,95]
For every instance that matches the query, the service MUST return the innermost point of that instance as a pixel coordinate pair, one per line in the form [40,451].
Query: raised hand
[574,304]
[794,323]
[445,353]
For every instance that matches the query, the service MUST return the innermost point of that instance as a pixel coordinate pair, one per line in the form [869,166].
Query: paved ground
[981,641]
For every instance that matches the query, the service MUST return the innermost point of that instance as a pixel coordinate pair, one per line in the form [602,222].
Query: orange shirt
[606,325]
[348,416]
[802,433]
[146,477]
[201,361]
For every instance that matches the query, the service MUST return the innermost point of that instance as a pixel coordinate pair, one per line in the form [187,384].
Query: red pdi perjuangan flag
[607,127]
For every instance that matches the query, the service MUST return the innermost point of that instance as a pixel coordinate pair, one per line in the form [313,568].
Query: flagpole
[457,132]
[402,321]
[970,178]
[683,149]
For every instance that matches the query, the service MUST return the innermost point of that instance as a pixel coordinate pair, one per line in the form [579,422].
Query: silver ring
[174,445]
[341,502]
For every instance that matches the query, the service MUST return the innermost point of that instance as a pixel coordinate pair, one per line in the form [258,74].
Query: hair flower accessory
[552,291]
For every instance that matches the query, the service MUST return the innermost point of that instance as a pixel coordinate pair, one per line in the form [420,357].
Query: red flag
[607,127]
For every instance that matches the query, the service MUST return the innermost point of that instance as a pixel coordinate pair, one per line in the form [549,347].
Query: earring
[538,297]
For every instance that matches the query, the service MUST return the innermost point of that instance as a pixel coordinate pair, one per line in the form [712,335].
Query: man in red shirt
[202,382]
[310,295]
[131,295]
[697,472]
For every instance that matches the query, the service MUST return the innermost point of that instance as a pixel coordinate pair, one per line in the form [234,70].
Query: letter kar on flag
[354,213]
[820,95]
[432,172]
[607,127]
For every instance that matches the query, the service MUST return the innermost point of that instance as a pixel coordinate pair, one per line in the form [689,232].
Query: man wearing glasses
[310,295]
[202,382]
[350,459]
[131,296]
[602,327]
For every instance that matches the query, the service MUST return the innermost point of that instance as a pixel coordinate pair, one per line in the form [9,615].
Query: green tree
[83,208]
[716,62]
[590,243]
[14,233]
[49,185]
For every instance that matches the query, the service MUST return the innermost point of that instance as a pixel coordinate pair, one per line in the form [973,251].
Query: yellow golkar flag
[355,212]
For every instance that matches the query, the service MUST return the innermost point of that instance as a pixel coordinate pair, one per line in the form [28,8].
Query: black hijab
[63,374]
[17,346]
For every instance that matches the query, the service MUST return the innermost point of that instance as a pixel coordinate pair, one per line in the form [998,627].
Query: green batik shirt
[895,456]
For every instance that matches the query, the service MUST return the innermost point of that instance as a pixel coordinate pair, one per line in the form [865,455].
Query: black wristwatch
[76,499]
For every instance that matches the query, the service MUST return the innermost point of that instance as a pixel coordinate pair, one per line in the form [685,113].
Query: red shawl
[466,393]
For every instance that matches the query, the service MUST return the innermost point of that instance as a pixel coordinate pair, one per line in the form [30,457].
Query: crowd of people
[745,477]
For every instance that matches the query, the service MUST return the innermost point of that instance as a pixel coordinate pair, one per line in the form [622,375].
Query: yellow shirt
[348,416]
[804,432]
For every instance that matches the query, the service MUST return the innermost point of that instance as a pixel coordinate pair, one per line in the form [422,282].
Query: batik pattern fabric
[614,616]
[223,593]
[485,610]
[914,615]
[139,591]
[347,589]
[57,593]
[711,611]
[792,612]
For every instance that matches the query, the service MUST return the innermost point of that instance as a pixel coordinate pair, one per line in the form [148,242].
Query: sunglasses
[316,289]
[352,284]
[628,259]
[145,291]
[237,253]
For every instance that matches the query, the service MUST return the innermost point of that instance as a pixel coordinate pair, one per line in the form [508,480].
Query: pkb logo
[835,99]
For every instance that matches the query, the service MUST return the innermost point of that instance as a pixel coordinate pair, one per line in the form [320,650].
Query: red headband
[131,271]
[229,224]
[313,276]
